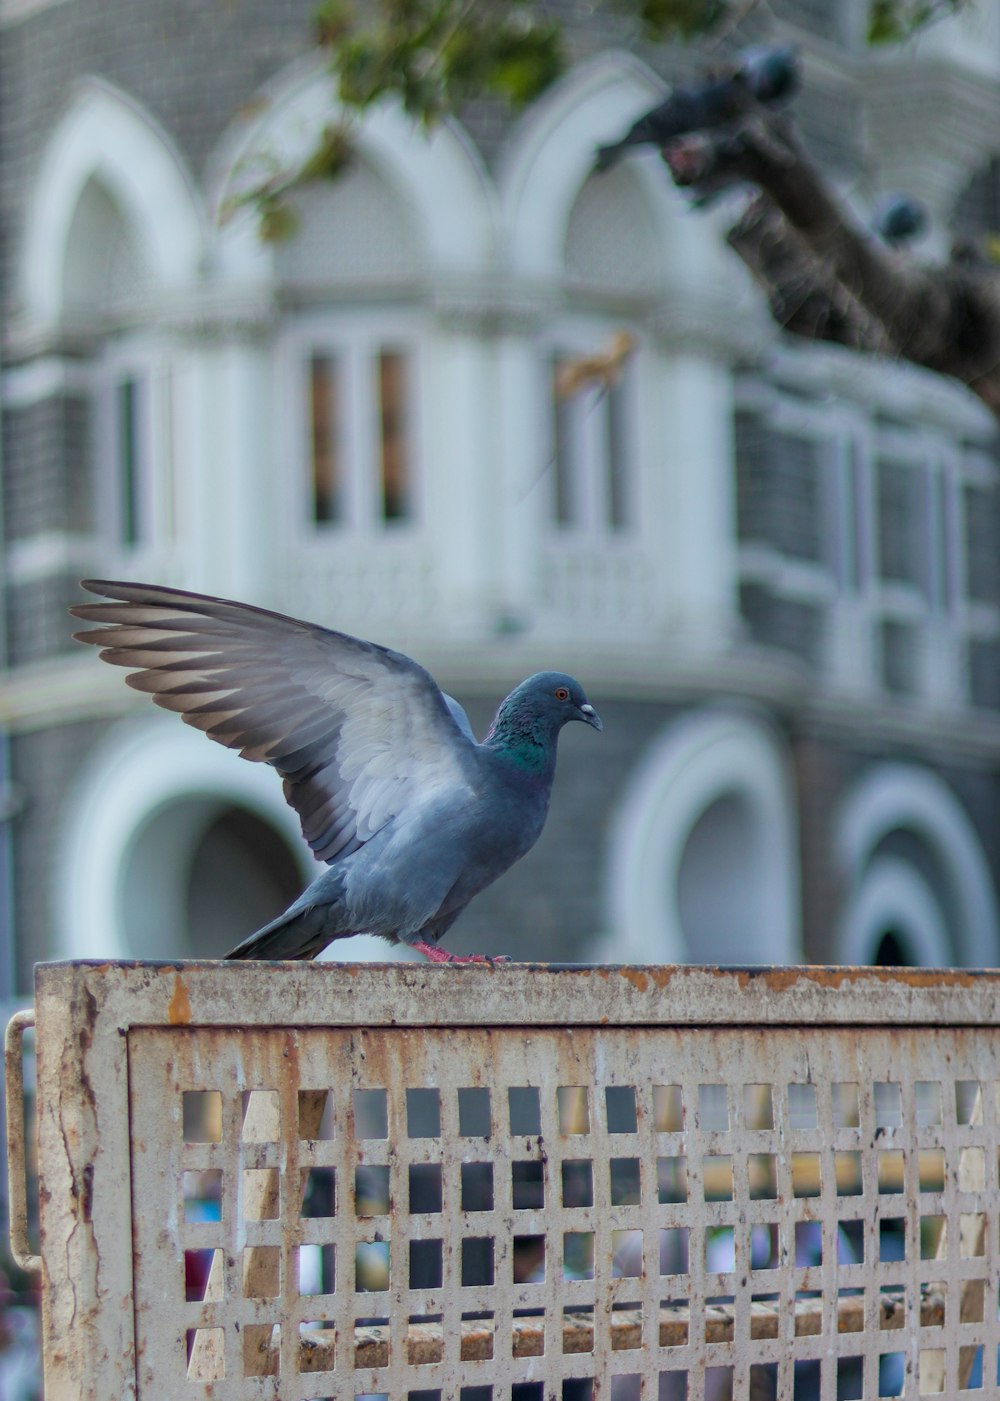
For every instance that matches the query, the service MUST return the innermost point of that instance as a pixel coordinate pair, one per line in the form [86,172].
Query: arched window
[112,236]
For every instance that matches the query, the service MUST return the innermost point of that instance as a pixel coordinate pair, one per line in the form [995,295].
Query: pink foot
[439,955]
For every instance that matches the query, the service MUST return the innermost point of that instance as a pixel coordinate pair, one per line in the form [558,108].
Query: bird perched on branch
[767,75]
[412,816]
[604,368]
[899,218]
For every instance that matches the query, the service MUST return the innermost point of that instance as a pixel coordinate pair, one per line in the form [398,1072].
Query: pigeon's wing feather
[358,732]
[459,716]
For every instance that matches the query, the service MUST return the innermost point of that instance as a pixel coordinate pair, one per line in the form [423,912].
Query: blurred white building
[774,566]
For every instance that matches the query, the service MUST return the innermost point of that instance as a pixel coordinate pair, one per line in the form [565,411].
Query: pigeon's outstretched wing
[358,732]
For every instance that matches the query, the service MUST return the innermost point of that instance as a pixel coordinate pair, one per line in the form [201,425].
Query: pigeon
[412,816]
[766,75]
[899,219]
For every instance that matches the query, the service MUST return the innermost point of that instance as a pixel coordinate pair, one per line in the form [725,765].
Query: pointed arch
[439,176]
[107,138]
[551,158]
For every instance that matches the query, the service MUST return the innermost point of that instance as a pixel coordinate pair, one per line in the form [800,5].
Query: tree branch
[829,279]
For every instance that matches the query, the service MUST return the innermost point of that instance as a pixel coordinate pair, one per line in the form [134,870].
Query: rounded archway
[703,851]
[174,847]
[199,876]
[913,868]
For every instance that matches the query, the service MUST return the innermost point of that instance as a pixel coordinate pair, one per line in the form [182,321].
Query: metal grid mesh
[469,1213]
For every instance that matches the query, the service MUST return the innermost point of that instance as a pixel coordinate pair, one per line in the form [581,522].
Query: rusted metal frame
[88,1325]
[17,1164]
[202,993]
[85,1012]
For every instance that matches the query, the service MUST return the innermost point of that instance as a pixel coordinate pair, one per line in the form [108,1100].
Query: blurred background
[772,564]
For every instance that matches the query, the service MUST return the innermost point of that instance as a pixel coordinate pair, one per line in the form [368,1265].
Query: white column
[461,464]
[524,475]
[229,477]
[688,515]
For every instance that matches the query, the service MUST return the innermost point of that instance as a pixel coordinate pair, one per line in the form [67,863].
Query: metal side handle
[17,1169]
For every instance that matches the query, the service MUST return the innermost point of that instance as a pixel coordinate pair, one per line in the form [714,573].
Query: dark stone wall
[44,766]
[47,468]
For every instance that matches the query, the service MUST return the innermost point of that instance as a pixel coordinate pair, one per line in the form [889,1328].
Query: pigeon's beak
[590,715]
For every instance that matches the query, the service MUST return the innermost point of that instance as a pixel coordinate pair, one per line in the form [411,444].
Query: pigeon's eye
[562,693]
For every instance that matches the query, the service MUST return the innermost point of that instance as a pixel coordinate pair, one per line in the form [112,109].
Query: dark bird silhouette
[767,75]
[898,219]
[412,816]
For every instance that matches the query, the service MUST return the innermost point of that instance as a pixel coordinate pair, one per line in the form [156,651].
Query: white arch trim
[552,154]
[138,768]
[440,174]
[893,895]
[895,796]
[107,136]
[695,761]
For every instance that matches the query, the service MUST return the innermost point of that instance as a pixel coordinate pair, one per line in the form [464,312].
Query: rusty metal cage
[300,1182]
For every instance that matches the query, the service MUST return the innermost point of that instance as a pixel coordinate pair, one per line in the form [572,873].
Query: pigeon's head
[550,699]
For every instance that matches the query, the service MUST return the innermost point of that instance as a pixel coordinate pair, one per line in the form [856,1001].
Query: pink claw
[439,955]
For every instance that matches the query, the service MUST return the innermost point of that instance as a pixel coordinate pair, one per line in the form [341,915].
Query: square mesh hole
[573,1105]
[423,1113]
[371,1190]
[316,1121]
[762,1172]
[319,1191]
[425,1189]
[927,1100]
[846,1105]
[527,1186]
[477,1186]
[528,1257]
[577,1182]
[316,1269]
[202,1116]
[671,1179]
[474,1119]
[371,1266]
[477,1261]
[668,1109]
[625,1182]
[713,1108]
[371,1114]
[621,1109]
[578,1255]
[202,1195]
[888,1105]
[758,1107]
[802,1107]
[261,1116]
[524,1110]
[198,1265]
[425,1264]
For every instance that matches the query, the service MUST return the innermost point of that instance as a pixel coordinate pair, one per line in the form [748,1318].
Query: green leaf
[277,220]
[665,19]
[526,64]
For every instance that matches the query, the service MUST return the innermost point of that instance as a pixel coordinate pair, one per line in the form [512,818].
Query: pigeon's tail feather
[298,933]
